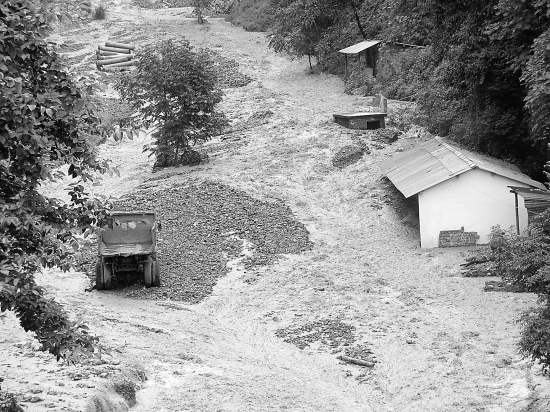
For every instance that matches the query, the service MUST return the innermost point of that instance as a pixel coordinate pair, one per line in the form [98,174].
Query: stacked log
[114,56]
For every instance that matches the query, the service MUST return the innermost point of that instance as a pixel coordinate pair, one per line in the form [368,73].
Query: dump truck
[129,245]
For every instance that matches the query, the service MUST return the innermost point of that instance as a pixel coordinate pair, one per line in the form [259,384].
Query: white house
[461,194]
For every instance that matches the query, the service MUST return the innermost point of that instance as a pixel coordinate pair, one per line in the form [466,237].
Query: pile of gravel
[329,332]
[257,119]
[348,155]
[332,335]
[227,70]
[388,135]
[161,4]
[202,222]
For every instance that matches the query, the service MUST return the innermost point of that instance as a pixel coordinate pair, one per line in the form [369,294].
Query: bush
[252,15]
[175,90]
[525,262]
[99,12]
[401,75]
[535,336]
[8,402]
[45,121]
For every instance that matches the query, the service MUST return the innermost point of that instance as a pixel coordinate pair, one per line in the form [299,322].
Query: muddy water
[441,343]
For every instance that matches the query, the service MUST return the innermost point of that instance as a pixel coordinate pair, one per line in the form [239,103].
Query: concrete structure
[461,194]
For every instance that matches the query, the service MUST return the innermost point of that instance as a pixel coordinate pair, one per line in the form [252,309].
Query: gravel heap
[387,135]
[333,335]
[348,155]
[161,4]
[330,332]
[202,222]
[227,70]
[257,119]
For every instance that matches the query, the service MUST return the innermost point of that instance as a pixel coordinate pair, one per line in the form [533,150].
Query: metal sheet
[359,47]
[435,161]
[425,166]
[536,200]
[496,167]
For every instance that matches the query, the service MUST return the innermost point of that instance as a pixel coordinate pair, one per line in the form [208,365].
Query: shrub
[8,402]
[535,336]
[525,262]
[100,12]
[175,90]
[401,75]
[252,15]
[45,121]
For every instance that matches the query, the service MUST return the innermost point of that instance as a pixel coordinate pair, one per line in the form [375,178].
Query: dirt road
[440,343]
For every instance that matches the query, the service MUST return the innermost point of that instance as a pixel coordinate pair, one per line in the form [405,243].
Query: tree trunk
[359,26]
[200,20]
[310,66]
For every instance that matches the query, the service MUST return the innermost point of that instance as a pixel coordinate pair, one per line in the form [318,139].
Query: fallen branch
[356,361]
[475,262]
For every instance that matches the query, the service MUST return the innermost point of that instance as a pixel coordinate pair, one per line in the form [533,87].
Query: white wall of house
[475,200]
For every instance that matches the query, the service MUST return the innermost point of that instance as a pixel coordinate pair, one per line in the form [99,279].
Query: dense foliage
[175,90]
[525,262]
[44,121]
[481,78]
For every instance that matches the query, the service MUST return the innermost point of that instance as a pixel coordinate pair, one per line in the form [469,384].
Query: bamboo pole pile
[114,56]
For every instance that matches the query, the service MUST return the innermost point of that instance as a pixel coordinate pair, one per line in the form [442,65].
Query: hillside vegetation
[481,78]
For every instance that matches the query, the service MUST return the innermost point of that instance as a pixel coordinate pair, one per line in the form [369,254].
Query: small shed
[368,48]
[461,194]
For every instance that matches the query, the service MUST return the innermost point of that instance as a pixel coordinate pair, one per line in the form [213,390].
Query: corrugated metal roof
[359,47]
[536,201]
[436,161]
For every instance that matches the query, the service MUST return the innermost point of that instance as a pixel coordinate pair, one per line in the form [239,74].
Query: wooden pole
[356,361]
[517,211]
[346,56]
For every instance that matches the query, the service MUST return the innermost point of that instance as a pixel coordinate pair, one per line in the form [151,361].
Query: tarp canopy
[359,47]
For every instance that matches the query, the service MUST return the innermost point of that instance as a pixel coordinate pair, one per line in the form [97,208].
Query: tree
[44,121]
[298,27]
[174,89]
[525,262]
[199,7]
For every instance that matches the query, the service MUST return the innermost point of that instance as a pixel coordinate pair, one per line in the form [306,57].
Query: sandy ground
[441,343]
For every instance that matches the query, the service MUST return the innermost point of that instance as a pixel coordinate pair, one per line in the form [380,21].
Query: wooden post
[517,211]
[374,60]
[346,57]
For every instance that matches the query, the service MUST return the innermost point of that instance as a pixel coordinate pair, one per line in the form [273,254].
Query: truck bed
[125,249]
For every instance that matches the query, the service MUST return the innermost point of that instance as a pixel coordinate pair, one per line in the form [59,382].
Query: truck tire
[99,276]
[107,275]
[148,272]
[156,273]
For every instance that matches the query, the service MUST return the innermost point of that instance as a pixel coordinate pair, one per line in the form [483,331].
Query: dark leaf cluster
[45,122]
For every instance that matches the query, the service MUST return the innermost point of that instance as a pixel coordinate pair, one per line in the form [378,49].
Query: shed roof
[536,201]
[436,161]
[359,47]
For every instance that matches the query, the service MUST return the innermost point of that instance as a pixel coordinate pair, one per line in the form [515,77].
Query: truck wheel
[107,274]
[148,272]
[156,273]
[99,276]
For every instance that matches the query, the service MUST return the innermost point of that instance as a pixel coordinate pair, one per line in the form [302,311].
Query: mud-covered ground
[266,337]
